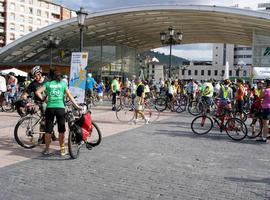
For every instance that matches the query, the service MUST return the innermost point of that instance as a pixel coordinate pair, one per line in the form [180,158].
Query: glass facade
[105,60]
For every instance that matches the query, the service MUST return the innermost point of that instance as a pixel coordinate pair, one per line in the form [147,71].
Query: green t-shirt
[115,85]
[56,92]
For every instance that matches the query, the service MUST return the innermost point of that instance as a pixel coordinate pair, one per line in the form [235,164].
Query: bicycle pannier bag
[83,126]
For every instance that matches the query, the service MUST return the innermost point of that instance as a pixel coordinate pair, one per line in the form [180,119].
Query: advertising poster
[78,75]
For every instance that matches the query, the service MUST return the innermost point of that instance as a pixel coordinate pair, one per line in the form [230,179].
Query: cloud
[198,52]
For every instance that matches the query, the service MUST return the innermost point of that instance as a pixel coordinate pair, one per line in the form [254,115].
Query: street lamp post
[51,42]
[170,38]
[81,15]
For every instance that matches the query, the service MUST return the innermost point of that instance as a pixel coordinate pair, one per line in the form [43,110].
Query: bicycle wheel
[236,129]
[177,106]
[151,113]
[195,108]
[254,127]
[27,133]
[201,125]
[95,137]
[74,145]
[161,104]
[125,113]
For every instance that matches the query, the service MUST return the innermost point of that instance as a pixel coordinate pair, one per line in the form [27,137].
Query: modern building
[20,17]
[114,38]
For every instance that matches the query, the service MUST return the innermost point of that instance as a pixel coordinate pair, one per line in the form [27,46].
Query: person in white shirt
[3,85]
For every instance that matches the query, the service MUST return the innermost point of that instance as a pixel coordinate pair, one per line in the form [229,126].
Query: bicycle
[126,113]
[29,132]
[74,143]
[234,127]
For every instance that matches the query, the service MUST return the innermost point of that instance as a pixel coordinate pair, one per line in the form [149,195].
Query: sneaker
[135,121]
[113,109]
[146,121]
[62,151]
[46,152]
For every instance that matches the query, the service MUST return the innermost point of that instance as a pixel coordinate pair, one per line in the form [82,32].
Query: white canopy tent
[17,72]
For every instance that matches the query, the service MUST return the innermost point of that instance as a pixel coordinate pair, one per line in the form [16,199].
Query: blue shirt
[100,88]
[90,82]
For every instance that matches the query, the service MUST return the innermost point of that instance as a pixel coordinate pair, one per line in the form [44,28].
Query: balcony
[2,30]
[2,19]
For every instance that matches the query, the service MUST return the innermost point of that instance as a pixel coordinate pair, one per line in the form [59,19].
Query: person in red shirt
[240,94]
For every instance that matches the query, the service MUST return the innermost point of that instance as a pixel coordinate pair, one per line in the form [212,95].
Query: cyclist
[207,90]
[192,88]
[90,85]
[139,101]
[172,93]
[115,88]
[56,90]
[240,94]
[225,96]
[265,95]
[12,86]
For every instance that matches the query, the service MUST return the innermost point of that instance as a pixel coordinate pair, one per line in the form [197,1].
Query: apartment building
[20,17]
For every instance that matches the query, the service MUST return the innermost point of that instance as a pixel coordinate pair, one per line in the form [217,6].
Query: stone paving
[164,160]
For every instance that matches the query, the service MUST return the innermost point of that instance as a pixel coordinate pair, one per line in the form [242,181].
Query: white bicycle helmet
[36,69]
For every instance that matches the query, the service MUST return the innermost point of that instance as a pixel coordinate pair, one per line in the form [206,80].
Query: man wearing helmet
[39,80]
[225,95]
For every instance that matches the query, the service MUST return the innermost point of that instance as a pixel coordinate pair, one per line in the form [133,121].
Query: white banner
[77,76]
[261,72]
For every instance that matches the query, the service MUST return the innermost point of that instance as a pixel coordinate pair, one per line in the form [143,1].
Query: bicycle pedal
[89,146]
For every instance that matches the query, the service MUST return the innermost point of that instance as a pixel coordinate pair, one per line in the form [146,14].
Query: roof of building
[140,26]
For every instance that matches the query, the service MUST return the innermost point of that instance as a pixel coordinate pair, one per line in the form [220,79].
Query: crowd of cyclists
[238,97]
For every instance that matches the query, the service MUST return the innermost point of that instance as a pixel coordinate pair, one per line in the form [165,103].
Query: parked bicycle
[234,127]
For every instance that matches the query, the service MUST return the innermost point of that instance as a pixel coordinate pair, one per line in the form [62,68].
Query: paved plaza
[164,160]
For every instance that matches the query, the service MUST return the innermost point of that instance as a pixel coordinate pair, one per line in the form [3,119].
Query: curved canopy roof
[139,27]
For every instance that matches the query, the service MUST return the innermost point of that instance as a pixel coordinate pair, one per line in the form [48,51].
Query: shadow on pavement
[249,180]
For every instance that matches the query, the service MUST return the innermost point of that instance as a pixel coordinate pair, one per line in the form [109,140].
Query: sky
[191,51]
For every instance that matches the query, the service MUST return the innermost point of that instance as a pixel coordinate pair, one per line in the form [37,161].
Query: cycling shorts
[50,114]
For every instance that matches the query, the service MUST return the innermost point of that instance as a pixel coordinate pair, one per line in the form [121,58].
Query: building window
[30,28]
[12,16]
[12,6]
[216,72]
[12,36]
[12,26]
[230,73]
[222,72]
[46,5]
[47,14]
[30,11]
[237,73]
[22,18]
[38,12]
[196,72]
[22,9]
[38,21]
[22,28]
[46,22]
[189,72]
[30,20]
[245,73]
[183,72]
[216,47]
[202,72]
[209,72]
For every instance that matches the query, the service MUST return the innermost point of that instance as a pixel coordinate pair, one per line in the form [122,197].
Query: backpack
[83,127]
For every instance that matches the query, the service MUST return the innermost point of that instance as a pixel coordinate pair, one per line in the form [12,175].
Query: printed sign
[78,75]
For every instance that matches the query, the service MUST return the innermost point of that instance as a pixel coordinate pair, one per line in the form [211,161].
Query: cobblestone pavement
[156,161]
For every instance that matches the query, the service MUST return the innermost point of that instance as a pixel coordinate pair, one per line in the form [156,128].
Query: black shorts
[240,105]
[266,113]
[59,113]
[170,96]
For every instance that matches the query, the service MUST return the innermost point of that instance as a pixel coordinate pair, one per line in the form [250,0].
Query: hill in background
[164,59]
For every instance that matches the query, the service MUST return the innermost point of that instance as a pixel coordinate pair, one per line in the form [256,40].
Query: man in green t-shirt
[115,88]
